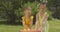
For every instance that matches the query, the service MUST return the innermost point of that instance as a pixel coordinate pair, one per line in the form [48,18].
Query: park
[29,16]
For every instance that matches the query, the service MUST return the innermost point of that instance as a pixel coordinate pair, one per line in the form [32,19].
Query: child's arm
[23,21]
[44,19]
[31,21]
[37,20]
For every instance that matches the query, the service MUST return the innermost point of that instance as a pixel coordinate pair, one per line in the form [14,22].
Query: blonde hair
[27,7]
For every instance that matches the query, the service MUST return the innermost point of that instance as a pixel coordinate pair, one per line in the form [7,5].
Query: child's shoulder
[46,14]
[32,17]
[22,17]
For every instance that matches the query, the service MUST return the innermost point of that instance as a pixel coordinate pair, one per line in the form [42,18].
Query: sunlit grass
[10,28]
[54,26]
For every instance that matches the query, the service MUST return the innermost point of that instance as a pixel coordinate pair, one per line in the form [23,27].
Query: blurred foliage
[12,10]
[54,6]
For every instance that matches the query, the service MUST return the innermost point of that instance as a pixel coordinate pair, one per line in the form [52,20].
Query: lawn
[10,28]
[54,26]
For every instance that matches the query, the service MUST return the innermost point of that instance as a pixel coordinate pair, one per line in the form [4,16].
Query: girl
[27,19]
[41,19]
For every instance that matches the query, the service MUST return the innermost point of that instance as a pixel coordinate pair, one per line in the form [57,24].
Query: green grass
[54,26]
[10,28]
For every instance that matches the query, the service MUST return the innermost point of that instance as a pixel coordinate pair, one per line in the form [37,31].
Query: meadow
[54,26]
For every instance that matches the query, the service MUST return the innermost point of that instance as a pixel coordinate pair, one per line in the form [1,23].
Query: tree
[54,6]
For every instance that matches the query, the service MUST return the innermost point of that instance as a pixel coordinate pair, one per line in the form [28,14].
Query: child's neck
[27,16]
[42,14]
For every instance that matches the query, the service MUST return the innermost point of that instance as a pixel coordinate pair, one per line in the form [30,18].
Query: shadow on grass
[10,23]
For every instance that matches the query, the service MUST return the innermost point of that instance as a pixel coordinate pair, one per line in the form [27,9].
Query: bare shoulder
[23,17]
[46,13]
[32,17]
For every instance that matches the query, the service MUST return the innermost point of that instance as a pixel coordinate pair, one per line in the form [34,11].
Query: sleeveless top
[27,21]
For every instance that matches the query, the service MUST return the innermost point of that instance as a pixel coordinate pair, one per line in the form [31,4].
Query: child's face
[42,7]
[28,12]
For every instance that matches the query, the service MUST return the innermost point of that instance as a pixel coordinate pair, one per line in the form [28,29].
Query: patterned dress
[28,22]
[46,27]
